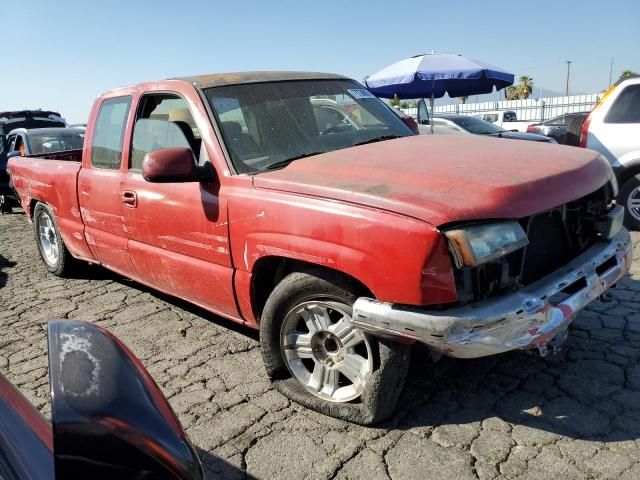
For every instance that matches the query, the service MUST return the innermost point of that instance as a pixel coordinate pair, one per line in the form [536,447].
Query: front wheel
[316,357]
[629,198]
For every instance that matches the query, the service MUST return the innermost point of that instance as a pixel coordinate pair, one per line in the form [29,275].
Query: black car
[10,121]
[109,419]
[473,125]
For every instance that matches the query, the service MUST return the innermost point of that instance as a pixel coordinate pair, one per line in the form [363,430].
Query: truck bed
[53,179]
[65,155]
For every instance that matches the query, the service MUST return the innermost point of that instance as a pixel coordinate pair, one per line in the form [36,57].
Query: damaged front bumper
[537,315]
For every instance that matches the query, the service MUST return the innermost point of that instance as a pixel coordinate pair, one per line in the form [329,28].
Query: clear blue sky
[61,54]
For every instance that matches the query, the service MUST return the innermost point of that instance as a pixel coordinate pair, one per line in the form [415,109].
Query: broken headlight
[478,244]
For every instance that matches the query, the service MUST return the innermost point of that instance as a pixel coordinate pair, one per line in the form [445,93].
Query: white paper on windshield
[359,93]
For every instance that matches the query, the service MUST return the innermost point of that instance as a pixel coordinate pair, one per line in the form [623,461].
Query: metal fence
[526,110]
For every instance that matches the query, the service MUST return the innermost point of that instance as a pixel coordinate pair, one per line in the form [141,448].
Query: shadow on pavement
[96,272]
[4,263]
[590,390]
[217,468]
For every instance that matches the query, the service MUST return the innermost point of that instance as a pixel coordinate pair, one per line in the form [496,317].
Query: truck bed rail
[66,155]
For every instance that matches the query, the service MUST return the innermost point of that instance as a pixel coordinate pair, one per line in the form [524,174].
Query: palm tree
[626,74]
[525,87]
[512,93]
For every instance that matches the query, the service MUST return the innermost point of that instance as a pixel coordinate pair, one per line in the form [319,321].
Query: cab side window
[106,146]
[163,121]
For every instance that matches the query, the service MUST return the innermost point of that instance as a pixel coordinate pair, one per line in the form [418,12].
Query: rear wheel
[316,357]
[52,249]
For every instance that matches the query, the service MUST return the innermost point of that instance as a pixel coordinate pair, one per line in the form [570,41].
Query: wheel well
[269,271]
[627,173]
[32,206]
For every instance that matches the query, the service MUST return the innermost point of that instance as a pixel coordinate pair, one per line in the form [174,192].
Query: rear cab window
[108,136]
[164,120]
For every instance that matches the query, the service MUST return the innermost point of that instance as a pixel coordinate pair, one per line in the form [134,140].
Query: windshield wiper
[284,163]
[378,139]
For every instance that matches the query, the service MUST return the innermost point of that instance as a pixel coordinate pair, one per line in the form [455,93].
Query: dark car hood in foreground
[521,136]
[441,178]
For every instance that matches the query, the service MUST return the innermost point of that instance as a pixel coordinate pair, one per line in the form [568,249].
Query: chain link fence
[526,110]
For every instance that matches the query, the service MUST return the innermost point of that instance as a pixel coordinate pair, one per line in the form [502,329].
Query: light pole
[610,72]
[566,91]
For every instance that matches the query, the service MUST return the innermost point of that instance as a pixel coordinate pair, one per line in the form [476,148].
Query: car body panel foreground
[109,418]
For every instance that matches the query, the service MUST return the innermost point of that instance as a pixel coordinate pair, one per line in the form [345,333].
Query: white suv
[613,129]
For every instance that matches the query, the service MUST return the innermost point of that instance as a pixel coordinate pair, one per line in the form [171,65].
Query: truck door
[178,232]
[101,205]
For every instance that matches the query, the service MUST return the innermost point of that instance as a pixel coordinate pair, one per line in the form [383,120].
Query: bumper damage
[537,315]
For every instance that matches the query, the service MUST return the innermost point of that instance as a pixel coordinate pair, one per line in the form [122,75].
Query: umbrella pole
[433,87]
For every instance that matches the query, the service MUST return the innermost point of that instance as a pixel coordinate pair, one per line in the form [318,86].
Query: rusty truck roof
[234,78]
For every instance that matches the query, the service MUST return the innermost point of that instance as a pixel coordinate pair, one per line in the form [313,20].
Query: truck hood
[445,178]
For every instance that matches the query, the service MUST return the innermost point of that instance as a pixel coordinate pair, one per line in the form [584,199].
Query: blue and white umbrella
[434,74]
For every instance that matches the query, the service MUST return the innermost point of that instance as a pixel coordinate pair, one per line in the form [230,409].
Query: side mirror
[175,165]
[423,116]
[15,153]
[411,123]
[110,419]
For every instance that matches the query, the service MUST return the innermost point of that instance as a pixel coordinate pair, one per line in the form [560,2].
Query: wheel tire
[390,359]
[627,189]
[5,205]
[45,223]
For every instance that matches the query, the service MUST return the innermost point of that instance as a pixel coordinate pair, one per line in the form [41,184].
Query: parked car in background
[506,119]
[40,141]
[341,245]
[476,126]
[10,121]
[564,129]
[613,129]
[109,419]
[423,119]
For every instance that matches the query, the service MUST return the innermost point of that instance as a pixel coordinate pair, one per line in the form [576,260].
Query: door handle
[129,199]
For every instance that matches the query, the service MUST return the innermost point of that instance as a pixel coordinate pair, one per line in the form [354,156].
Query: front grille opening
[606,266]
[556,237]
[575,286]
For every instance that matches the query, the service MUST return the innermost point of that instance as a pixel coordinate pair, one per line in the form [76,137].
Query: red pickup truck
[299,204]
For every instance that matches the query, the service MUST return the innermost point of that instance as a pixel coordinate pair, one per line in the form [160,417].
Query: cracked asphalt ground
[574,415]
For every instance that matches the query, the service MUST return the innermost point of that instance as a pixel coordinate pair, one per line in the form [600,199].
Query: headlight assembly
[478,244]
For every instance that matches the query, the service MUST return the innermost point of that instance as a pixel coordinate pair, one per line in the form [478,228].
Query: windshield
[477,125]
[40,143]
[266,125]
